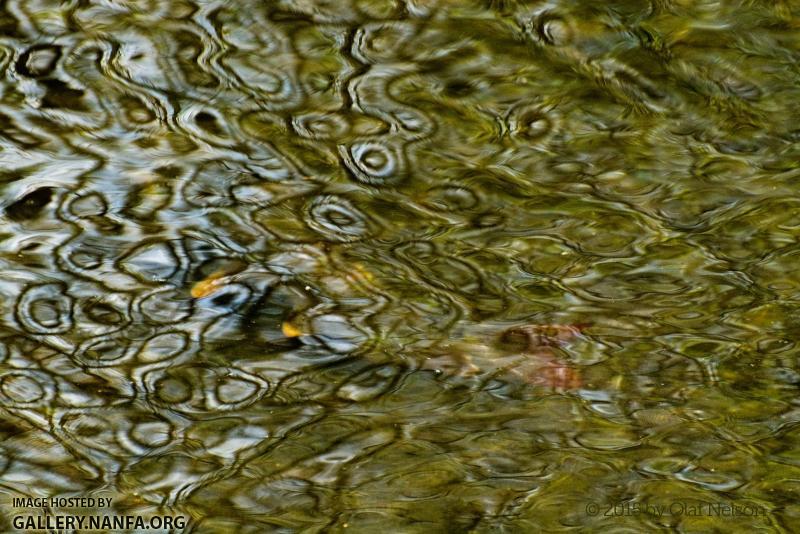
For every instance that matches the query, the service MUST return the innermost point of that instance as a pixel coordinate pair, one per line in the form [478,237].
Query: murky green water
[382,266]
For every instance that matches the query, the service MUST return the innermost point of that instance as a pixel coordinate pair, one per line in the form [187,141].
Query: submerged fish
[217,280]
[543,335]
[529,354]
[209,285]
[543,367]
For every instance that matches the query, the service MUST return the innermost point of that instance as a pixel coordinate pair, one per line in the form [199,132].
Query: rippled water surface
[410,266]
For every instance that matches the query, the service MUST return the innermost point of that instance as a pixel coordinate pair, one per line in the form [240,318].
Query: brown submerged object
[542,365]
[528,353]
[543,335]
[544,368]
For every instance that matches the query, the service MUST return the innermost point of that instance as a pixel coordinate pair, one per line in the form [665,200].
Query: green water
[432,266]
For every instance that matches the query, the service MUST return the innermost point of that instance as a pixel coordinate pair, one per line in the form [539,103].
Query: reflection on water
[417,266]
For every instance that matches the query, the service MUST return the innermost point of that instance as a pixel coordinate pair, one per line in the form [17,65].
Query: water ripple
[410,266]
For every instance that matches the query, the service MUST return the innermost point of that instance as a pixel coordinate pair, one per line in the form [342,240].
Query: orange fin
[290,330]
[209,285]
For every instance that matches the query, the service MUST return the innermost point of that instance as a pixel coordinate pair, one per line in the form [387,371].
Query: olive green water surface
[256,257]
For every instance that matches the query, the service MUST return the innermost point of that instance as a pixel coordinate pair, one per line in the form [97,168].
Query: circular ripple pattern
[374,162]
[258,260]
[336,218]
[45,309]
[26,389]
